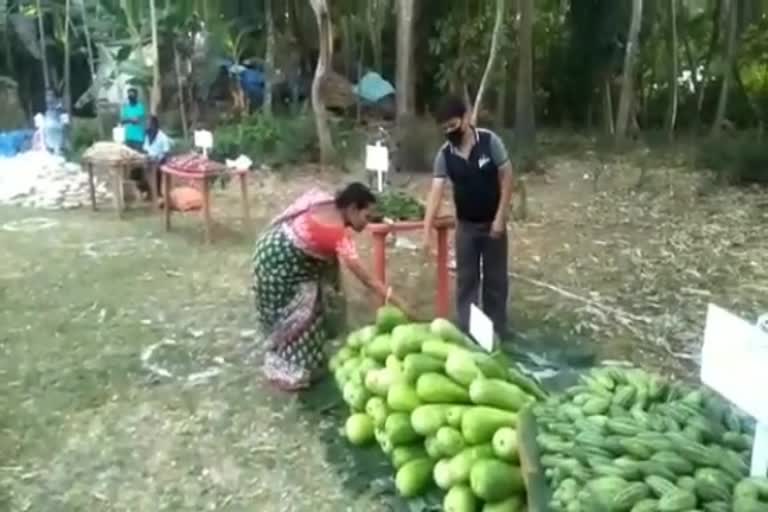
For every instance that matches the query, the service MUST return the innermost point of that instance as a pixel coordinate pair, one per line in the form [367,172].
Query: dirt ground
[130,375]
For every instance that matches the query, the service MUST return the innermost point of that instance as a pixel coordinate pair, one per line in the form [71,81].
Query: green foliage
[84,133]
[738,161]
[265,139]
[461,35]
[397,205]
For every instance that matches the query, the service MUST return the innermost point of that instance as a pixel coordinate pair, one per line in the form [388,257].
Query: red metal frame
[442,226]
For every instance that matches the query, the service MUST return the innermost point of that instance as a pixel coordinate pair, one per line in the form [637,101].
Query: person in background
[133,118]
[478,166]
[296,284]
[157,146]
[55,122]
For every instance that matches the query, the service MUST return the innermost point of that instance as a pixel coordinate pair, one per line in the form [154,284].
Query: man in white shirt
[157,146]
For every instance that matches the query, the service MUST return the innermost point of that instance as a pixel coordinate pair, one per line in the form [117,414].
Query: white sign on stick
[734,362]
[118,134]
[481,328]
[377,159]
[204,140]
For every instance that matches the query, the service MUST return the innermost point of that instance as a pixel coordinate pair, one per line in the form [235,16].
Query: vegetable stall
[451,417]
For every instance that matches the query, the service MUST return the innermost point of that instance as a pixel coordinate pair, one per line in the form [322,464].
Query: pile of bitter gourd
[624,440]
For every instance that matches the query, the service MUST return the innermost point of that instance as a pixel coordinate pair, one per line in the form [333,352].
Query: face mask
[455,137]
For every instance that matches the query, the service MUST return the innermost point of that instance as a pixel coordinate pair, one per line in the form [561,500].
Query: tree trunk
[501,97]
[180,87]
[156,96]
[43,52]
[5,27]
[320,7]
[525,111]
[67,62]
[404,74]
[270,57]
[673,71]
[95,85]
[492,54]
[608,126]
[691,61]
[731,8]
[627,81]
[713,40]
[374,10]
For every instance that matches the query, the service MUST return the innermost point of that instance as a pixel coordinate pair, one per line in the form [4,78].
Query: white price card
[760,451]
[481,328]
[203,139]
[118,134]
[734,359]
[376,158]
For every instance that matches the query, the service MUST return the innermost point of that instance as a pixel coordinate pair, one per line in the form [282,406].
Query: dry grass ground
[626,270]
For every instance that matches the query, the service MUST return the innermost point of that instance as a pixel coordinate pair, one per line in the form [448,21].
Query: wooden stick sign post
[734,362]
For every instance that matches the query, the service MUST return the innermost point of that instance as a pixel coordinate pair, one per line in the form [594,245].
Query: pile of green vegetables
[397,206]
[624,440]
[444,413]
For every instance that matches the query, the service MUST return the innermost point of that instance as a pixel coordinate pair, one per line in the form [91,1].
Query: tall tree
[67,61]
[714,39]
[492,54]
[674,70]
[404,76]
[628,78]
[43,45]
[5,28]
[525,110]
[95,84]
[269,60]
[156,96]
[731,9]
[376,17]
[325,39]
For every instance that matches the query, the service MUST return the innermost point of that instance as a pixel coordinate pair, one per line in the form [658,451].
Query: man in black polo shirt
[478,166]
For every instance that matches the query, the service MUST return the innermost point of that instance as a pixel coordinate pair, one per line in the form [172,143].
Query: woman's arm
[373,284]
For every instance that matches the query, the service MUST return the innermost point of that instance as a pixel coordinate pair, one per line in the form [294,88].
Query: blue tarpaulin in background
[14,142]
[372,88]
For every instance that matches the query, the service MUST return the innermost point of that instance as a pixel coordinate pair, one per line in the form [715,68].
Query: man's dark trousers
[481,274]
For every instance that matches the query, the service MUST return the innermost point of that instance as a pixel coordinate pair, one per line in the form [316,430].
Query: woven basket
[112,153]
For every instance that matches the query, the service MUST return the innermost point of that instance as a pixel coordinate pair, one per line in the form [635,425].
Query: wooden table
[119,172]
[204,179]
[442,225]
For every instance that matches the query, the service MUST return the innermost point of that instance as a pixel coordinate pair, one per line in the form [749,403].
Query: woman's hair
[354,194]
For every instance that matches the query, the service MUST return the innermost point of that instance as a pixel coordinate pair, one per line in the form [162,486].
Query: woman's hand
[379,288]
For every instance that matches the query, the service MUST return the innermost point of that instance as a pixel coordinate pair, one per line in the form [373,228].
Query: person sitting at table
[157,146]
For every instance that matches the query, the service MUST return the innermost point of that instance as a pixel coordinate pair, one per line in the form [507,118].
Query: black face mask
[455,137]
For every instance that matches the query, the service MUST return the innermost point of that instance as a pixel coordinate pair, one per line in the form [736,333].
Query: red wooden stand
[442,226]
[202,179]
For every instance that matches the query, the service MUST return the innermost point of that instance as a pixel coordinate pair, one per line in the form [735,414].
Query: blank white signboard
[734,362]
